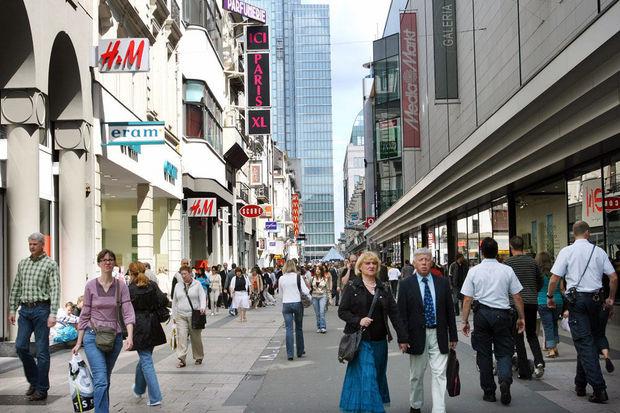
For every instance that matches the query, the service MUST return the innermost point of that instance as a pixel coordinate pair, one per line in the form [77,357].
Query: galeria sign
[128,55]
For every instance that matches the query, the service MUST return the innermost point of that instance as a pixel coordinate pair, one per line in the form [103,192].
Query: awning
[208,186]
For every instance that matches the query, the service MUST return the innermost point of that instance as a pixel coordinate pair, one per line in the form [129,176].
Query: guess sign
[258,80]
[251,211]
[257,37]
[259,122]
[123,55]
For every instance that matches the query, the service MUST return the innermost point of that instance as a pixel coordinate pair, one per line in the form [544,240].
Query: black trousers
[493,334]
[530,312]
[585,327]
[394,287]
[336,296]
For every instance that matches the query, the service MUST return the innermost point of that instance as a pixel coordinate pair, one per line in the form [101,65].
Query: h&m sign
[201,207]
[127,55]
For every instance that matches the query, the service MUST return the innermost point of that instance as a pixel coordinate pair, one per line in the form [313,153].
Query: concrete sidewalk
[236,354]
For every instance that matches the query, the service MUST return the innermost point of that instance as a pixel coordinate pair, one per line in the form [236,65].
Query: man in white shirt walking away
[582,265]
[393,277]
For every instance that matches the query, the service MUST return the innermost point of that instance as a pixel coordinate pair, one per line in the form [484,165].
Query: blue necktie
[429,309]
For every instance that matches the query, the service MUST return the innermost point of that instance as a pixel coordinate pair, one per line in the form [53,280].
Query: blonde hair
[366,256]
[290,266]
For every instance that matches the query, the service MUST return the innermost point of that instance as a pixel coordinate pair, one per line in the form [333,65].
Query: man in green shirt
[36,291]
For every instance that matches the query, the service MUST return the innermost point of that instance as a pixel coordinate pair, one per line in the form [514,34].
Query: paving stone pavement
[232,350]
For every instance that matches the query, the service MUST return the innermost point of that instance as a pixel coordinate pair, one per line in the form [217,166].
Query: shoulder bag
[571,294]
[306,301]
[105,337]
[349,343]
[162,311]
[199,320]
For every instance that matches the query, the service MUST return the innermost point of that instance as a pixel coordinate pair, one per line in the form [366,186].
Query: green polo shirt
[37,280]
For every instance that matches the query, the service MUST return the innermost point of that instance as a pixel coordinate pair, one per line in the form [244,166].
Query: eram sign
[134,133]
[128,55]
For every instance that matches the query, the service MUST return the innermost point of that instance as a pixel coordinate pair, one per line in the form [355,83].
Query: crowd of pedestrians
[421,301]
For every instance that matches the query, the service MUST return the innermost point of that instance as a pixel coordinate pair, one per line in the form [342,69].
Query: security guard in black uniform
[491,284]
[582,265]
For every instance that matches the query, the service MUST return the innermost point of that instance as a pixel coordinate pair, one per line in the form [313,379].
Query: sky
[354,26]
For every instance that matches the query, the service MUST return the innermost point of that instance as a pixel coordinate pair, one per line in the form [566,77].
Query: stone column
[225,238]
[73,140]
[145,223]
[216,243]
[174,235]
[23,112]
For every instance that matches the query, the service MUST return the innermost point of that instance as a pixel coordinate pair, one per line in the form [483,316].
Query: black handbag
[350,342]
[199,319]
[306,301]
[453,383]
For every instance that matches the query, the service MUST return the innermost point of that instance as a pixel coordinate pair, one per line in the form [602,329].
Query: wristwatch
[549,296]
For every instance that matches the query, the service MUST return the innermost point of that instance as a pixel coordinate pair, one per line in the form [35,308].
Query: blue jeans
[294,312]
[101,365]
[146,377]
[583,319]
[549,318]
[319,309]
[34,320]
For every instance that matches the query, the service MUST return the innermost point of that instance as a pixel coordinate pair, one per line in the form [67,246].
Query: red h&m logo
[201,207]
[124,55]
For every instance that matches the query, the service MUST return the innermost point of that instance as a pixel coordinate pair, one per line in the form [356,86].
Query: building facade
[301,120]
[518,129]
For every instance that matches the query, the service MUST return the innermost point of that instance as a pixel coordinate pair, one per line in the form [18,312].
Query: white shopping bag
[564,324]
[80,385]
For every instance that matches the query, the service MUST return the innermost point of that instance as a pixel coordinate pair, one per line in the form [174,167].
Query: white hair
[422,251]
[38,237]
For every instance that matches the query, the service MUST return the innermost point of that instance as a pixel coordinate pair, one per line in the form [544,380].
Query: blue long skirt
[365,388]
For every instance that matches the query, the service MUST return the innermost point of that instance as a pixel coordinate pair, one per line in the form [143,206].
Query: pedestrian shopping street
[246,370]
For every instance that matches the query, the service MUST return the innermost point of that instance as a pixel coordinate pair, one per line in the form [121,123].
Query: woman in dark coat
[365,387]
[146,298]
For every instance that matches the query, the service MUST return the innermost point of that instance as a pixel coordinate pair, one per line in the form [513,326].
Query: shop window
[461,237]
[442,236]
[473,240]
[585,202]
[45,223]
[500,229]
[612,208]
[541,218]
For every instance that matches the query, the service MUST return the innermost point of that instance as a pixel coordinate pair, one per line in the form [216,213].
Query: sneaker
[504,389]
[323,331]
[609,366]
[158,403]
[318,330]
[135,394]
[539,371]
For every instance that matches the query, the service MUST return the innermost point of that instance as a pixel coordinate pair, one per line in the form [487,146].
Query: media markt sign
[134,133]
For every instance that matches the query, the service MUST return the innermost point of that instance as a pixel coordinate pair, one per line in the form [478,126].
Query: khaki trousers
[417,367]
[184,329]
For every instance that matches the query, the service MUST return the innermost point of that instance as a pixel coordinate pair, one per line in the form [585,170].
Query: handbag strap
[586,268]
[187,295]
[372,307]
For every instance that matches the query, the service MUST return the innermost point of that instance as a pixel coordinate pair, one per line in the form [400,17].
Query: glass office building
[302,114]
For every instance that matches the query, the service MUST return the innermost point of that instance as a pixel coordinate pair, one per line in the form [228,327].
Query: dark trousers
[394,287]
[530,312]
[602,341]
[34,320]
[336,296]
[585,327]
[493,334]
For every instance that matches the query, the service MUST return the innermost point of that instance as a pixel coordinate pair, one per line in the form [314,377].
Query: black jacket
[147,332]
[353,307]
[411,313]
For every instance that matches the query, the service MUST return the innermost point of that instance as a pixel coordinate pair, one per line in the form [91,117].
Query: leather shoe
[38,396]
[504,389]
[581,391]
[599,396]
[489,397]
[30,390]
[412,410]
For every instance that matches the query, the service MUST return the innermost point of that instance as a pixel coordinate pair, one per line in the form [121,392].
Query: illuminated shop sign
[257,38]
[201,207]
[410,100]
[245,9]
[258,79]
[128,55]
[259,122]
[135,133]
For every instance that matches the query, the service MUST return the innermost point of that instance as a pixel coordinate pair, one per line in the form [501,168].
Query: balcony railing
[244,192]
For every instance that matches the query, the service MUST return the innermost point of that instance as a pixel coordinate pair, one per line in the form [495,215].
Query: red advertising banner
[295,213]
[410,96]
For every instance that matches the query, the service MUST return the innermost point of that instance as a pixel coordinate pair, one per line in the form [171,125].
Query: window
[203,116]
[205,13]
[585,202]
[388,138]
